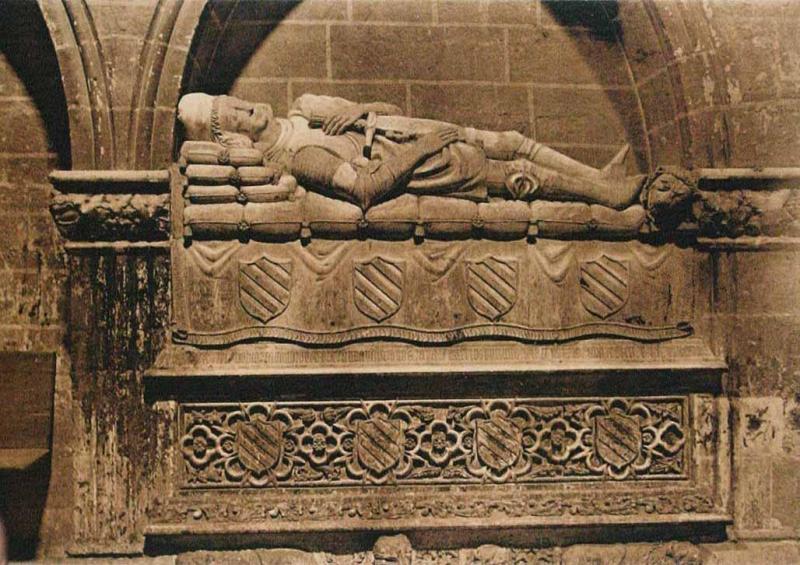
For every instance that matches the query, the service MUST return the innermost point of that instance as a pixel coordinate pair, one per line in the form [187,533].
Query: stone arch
[155,135]
[672,54]
[184,39]
[26,46]
[88,107]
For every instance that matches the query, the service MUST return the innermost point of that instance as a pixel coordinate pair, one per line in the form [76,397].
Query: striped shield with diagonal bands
[498,442]
[265,287]
[378,287]
[604,286]
[379,443]
[259,444]
[492,286]
[617,439]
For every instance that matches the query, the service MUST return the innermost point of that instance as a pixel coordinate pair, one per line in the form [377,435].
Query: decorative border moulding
[269,467]
[449,336]
[368,359]
[341,444]
[111,181]
[756,178]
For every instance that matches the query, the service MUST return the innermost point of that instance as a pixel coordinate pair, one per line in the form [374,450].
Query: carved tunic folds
[457,171]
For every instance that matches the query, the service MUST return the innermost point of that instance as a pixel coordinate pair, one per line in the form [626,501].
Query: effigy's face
[244,117]
[668,191]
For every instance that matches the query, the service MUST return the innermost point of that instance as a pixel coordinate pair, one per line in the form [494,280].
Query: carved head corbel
[667,196]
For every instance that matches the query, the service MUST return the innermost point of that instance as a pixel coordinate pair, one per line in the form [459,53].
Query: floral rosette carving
[440,442]
[497,449]
[524,440]
[245,446]
[379,444]
[627,437]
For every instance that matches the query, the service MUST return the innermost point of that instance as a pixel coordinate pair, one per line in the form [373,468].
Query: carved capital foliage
[109,217]
[111,205]
[743,202]
[747,213]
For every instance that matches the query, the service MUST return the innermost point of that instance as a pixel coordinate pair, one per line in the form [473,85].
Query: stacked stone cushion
[235,197]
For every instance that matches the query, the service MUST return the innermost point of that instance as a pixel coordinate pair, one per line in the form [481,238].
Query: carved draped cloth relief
[332,293]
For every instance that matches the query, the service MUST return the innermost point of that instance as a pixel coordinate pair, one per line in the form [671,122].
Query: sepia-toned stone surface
[700,86]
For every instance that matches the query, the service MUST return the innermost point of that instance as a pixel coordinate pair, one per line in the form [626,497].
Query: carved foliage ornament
[531,440]
[298,509]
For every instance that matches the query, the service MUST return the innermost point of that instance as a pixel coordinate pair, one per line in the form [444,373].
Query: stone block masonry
[489,64]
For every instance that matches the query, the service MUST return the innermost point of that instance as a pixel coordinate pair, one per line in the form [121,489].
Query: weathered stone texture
[116,326]
[730,79]
[761,320]
[33,141]
[692,83]
[30,254]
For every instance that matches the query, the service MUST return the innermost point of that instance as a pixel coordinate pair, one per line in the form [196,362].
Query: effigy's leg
[511,145]
[522,179]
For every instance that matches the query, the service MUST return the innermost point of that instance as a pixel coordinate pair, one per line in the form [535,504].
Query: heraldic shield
[378,287]
[617,439]
[498,442]
[265,287]
[604,286]
[259,444]
[379,444]
[492,286]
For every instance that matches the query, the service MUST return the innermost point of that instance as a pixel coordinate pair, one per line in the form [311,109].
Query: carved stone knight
[367,153]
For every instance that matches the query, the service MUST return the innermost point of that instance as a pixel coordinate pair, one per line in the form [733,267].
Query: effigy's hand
[338,123]
[435,141]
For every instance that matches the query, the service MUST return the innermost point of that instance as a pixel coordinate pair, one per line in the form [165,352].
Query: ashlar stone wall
[494,65]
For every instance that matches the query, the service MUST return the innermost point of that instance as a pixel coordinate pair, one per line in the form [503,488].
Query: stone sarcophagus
[263,258]
[349,353]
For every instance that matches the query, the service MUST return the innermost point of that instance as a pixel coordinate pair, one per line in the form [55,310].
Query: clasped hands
[430,143]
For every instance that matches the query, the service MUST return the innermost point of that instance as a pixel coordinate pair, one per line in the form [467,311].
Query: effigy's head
[668,198]
[227,120]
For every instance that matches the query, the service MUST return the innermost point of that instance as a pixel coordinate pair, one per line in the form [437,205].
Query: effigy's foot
[616,168]
[625,192]
[621,189]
